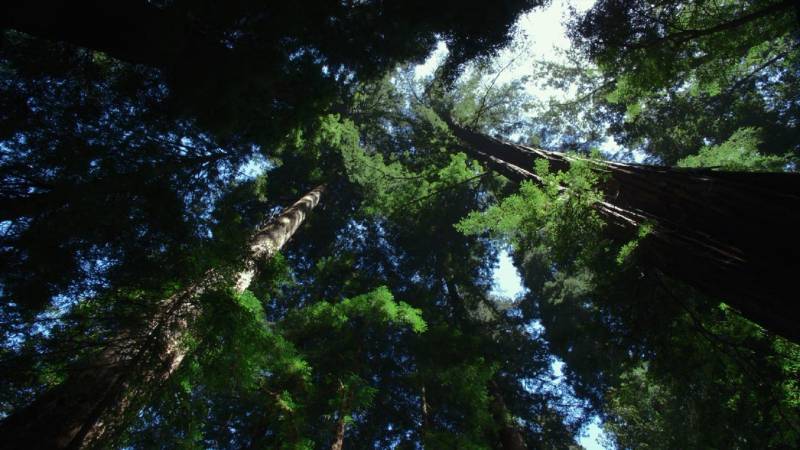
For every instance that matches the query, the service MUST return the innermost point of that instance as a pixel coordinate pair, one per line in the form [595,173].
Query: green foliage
[428,197]
[634,406]
[667,78]
[236,335]
[250,304]
[295,372]
[652,400]
[484,104]
[739,152]
[135,171]
[788,356]
[556,217]
[670,361]
[378,307]
[629,247]
[390,187]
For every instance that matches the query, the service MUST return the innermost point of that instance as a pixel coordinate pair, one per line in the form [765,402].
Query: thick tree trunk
[731,235]
[510,436]
[93,402]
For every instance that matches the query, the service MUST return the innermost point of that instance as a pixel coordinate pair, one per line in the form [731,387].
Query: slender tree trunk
[426,413]
[426,423]
[510,436]
[91,405]
[341,424]
[338,441]
[731,235]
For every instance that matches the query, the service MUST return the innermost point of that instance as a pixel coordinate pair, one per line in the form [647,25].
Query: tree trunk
[731,235]
[91,405]
[338,441]
[510,436]
[341,424]
[425,424]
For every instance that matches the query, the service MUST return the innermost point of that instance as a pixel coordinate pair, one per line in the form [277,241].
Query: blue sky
[539,36]
[508,283]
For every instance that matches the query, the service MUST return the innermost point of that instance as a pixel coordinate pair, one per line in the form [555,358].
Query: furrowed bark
[91,405]
[731,235]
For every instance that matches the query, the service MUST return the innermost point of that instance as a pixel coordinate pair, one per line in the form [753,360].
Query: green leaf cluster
[556,216]
[740,153]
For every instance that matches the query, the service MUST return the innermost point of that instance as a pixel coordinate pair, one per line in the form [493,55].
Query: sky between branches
[541,34]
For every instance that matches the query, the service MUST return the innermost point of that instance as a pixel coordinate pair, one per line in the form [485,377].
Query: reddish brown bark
[731,235]
[95,400]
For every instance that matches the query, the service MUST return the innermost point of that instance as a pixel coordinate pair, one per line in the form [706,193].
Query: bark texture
[338,440]
[89,407]
[731,235]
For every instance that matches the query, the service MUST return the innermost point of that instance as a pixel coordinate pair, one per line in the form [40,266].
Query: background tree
[479,366]
[253,67]
[94,400]
[620,327]
[160,140]
[97,185]
[666,78]
[83,122]
[177,116]
[379,243]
